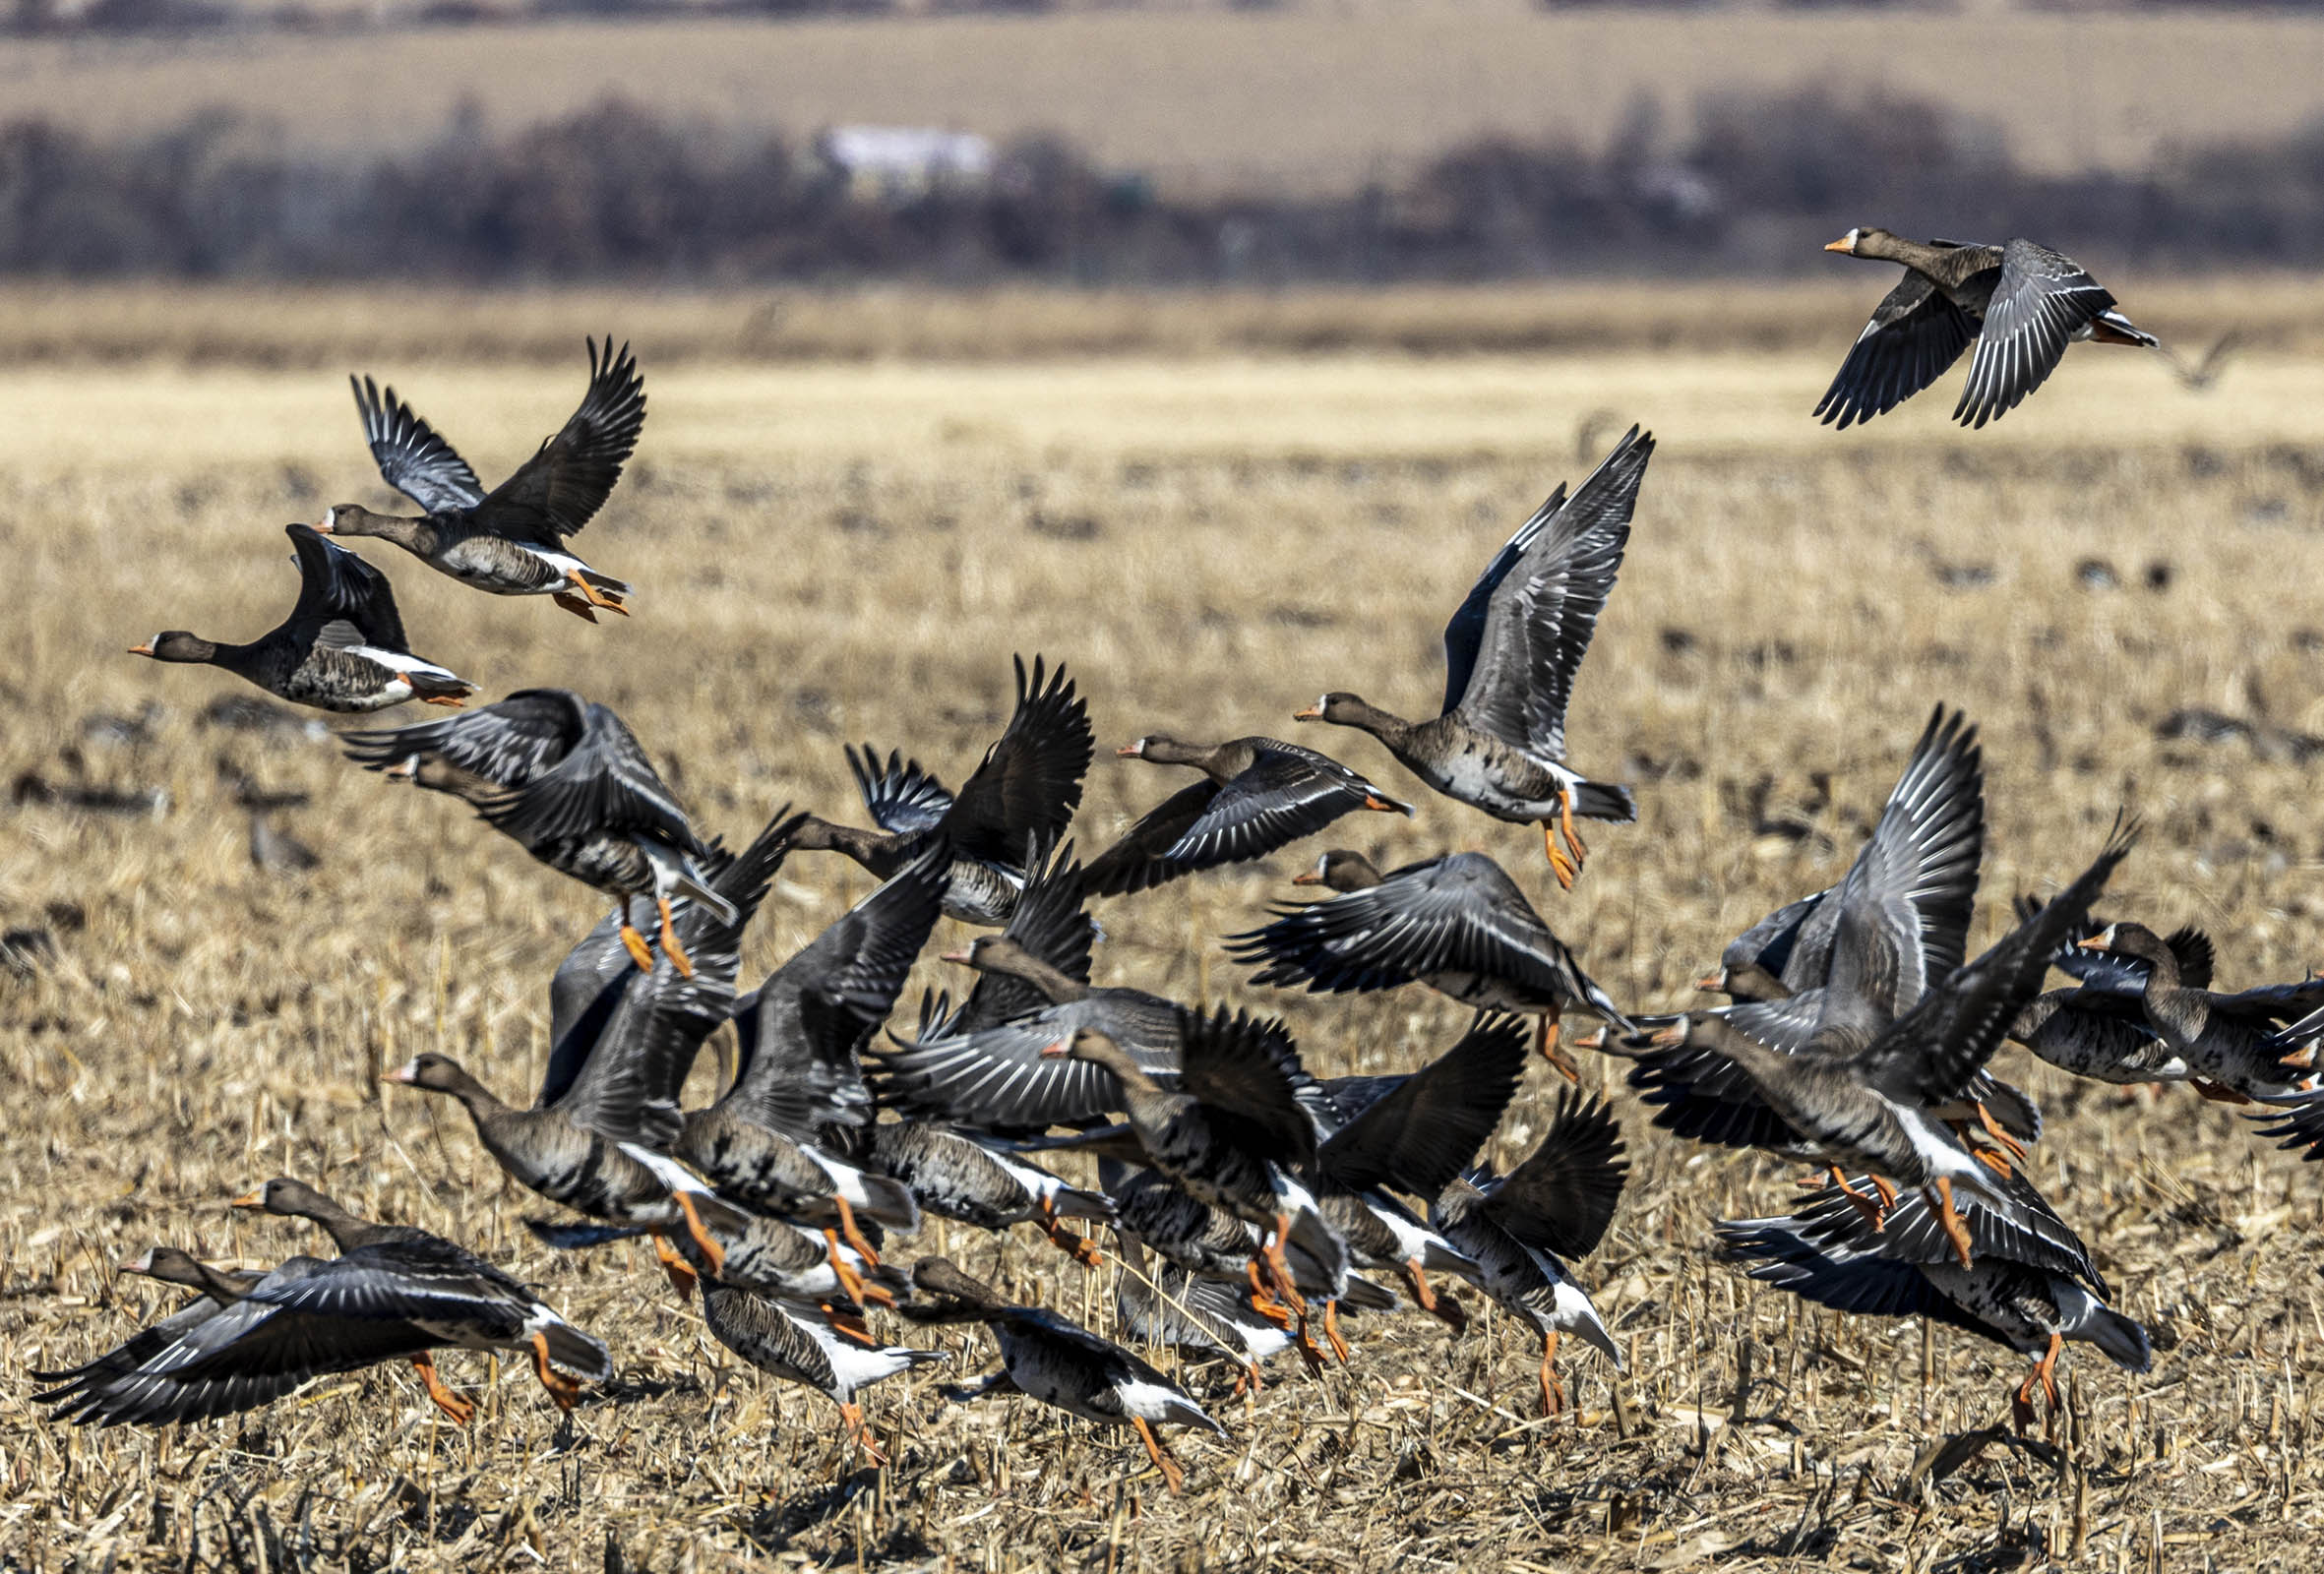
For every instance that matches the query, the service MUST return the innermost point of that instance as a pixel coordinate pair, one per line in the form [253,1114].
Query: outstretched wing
[337,586]
[412,457]
[1029,782]
[1915,333]
[508,743]
[903,797]
[1467,628]
[2040,301]
[1562,1197]
[554,493]
[1246,1072]
[604,783]
[1538,622]
[1426,1131]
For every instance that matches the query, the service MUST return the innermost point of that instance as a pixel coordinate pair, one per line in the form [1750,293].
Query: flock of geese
[1253,1210]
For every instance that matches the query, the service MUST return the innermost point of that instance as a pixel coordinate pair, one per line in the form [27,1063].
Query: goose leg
[452,1404]
[1550,1051]
[854,1236]
[1339,1346]
[850,1323]
[1308,1350]
[669,939]
[1553,1391]
[852,1283]
[854,1415]
[2216,1092]
[1079,1247]
[563,1389]
[634,941]
[1286,1287]
[1874,1213]
[2044,1374]
[1262,1298]
[1559,865]
[682,1276]
[450,702]
[703,1238]
[1992,1129]
[591,594]
[1567,829]
[1955,1231]
[1175,1477]
[1252,1382]
[1443,1308]
[574,604]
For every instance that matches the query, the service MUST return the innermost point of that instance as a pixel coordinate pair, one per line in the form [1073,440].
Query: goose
[1881,1105]
[975,1179]
[1457,924]
[1510,654]
[1232,1133]
[763,1143]
[1827,1253]
[393,1292]
[2237,1044]
[2020,302]
[834,1355]
[342,648]
[567,779]
[984,1065]
[1059,1363]
[1519,1227]
[1021,794]
[622,1045]
[510,540]
[1255,795]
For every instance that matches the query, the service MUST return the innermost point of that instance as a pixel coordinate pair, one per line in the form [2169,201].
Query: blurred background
[1138,142]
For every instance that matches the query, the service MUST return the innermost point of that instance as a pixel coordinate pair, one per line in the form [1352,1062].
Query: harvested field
[1306,99]
[829,552]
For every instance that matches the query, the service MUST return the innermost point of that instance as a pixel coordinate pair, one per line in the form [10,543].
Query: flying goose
[1519,1227]
[1883,1105]
[1022,794]
[1457,924]
[833,1355]
[768,1143]
[342,648]
[983,1066]
[509,541]
[1511,656]
[1255,795]
[2021,304]
[567,779]
[1827,1253]
[1045,1356]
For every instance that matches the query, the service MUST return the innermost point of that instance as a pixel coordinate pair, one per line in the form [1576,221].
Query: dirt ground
[852,550]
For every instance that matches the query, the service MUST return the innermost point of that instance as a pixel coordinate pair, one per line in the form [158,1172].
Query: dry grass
[1315,97]
[828,552]
[278,328]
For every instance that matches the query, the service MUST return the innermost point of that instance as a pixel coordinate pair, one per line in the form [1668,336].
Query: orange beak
[141,650]
[1840,245]
[2095,942]
[1310,877]
[1058,1051]
[252,1199]
[1311,713]
[954,956]
[1712,981]
[1129,751]
[324,528]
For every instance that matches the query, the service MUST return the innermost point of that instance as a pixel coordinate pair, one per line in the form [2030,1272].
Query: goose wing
[412,457]
[1539,619]
[2041,299]
[1916,333]
[553,494]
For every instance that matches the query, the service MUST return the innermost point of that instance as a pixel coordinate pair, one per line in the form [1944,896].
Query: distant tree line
[619,191]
